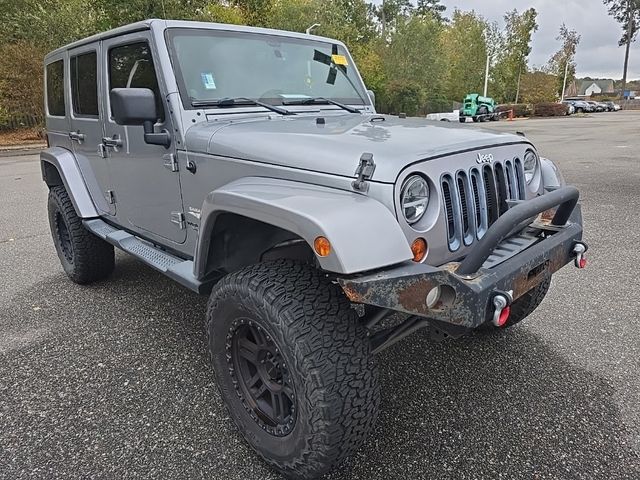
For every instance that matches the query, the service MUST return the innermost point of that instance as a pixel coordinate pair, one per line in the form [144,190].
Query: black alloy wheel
[261,378]
[64,237]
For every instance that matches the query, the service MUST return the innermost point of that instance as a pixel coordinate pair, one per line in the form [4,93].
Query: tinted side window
[131,66]
[84,84]
[55,89]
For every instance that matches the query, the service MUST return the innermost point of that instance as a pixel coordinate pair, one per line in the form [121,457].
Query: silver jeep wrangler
[251,165]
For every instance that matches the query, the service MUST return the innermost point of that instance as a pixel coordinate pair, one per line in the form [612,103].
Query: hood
[333,143]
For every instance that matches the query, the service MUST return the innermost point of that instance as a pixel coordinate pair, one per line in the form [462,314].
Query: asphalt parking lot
[112,380]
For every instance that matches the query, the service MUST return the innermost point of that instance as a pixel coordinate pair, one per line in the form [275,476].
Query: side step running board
[176,268]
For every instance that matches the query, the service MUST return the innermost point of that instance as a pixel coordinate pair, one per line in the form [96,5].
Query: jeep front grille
[474,199]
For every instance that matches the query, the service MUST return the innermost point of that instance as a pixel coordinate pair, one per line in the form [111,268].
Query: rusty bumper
[466,299]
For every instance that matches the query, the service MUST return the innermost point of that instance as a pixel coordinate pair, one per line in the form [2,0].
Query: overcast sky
[598,54]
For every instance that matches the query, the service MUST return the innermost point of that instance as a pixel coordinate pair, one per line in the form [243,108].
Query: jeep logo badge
[484,158]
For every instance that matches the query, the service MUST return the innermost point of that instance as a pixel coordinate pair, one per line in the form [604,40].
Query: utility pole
[626,53]
[486,76]
[564,83]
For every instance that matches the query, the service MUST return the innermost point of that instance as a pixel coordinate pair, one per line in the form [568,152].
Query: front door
[85,124]
[146,182]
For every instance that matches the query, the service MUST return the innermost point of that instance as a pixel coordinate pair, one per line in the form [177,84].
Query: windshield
[211,65]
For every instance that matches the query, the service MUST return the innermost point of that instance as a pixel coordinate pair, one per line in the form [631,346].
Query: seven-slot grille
[474,199]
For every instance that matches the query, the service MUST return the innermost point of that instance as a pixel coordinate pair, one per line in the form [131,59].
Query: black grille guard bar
[565,198]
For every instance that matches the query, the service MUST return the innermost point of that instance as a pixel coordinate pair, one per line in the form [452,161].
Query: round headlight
[530,165]
[414,198]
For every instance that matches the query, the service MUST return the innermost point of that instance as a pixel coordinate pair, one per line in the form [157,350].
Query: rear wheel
[85,258]
[293,366]
[462,119]
[523,306]
[482,113]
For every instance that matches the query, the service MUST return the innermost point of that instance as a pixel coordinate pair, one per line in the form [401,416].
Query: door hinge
[170,162]
[178,219]
[364,172]
[110,197]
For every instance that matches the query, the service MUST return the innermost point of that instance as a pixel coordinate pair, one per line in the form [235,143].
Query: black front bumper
[470,290]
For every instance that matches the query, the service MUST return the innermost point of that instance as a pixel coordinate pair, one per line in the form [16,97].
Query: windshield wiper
[321,100]
[230,102]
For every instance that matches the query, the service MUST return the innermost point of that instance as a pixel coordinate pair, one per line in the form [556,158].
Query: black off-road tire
[523,306]
[482,113]
[85,258]
[324,358]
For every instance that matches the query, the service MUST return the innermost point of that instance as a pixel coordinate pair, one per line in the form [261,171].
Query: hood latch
[364,172]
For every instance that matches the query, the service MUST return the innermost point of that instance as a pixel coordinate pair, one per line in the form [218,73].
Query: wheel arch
[59,167]
[364,234]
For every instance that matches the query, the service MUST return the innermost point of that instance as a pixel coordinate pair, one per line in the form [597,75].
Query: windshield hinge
[364,172]
[178,219]
[170,162]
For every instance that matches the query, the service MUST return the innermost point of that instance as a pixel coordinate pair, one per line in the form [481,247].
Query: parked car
[596,106]
[258,172]
[580,106]
[570,108]
[611,106]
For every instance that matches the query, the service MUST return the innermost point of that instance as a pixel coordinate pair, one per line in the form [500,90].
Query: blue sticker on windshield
[208,80]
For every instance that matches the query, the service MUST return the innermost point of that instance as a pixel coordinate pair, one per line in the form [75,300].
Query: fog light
[419,249]
[433,297]
[322,246]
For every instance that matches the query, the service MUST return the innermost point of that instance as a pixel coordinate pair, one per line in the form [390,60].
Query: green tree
[413,60]
[513,53]
[465,52]
[539,87]
[431,7]
[46,23]
[627,13]
[564,58]
[391,11]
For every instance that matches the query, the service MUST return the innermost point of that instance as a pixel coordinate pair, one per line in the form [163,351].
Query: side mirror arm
[152,138]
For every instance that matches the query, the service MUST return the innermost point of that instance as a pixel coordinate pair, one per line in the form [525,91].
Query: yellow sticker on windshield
[339,60]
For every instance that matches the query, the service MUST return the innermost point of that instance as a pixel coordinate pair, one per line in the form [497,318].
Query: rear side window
[131,66]
[55,89]
[84,84]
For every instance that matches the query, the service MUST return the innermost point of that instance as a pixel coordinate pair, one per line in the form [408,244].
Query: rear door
[86,126]
[146,182]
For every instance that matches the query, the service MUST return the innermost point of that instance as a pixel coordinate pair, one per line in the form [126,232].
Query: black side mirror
[137,106]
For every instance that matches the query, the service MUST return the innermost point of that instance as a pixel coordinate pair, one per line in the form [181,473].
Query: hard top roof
[152,24]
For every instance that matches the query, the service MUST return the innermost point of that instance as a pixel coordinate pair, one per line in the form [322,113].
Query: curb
[20,150]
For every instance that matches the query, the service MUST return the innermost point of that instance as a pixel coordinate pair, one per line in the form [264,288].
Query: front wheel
[293,366]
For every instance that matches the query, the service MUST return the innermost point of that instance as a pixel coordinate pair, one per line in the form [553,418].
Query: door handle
[77,136]
[113,142]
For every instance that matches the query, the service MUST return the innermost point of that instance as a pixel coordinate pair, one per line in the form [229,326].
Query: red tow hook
[581,259]
[501,302]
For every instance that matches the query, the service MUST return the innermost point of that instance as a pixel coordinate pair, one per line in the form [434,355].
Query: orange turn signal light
[322,246]
[419,249]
